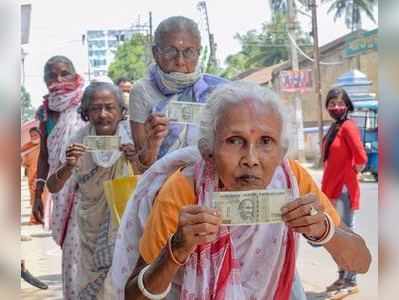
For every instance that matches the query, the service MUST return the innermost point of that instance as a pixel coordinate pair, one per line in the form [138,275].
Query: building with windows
[102,46]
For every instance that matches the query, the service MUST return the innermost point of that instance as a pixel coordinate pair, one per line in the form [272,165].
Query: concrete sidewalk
[315,266]
[42,256]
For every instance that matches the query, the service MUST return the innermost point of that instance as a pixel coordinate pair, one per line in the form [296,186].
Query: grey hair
[57,60]
[95,87]
[234,93]
[176,24]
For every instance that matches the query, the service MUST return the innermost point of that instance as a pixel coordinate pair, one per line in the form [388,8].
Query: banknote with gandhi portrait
[102,143]
[251,207]
[185,112]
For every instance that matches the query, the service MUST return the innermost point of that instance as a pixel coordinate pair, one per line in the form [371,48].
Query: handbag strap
[120,165]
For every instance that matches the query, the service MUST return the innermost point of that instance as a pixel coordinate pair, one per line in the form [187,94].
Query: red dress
[345,152]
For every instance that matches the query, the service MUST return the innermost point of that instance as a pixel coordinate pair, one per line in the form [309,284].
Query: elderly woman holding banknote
[183,202]
[85,169]
[159,121]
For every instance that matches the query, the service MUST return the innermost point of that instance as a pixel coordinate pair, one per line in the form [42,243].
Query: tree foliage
[264,48]
[132,58]
[351,11]
[27,110]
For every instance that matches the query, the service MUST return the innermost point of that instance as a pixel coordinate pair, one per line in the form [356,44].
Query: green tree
[352,11]
[264,48]
[132,58]
[27,110]
[236,63]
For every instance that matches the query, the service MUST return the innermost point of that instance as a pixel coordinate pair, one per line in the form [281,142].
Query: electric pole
[23,55]
[300,138]
[317,76]
[150,25]
[212,46]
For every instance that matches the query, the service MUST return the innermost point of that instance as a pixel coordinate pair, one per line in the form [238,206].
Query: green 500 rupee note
[102,143]
[251,207]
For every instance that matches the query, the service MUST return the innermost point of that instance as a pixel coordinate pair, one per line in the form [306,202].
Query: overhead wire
[307,56]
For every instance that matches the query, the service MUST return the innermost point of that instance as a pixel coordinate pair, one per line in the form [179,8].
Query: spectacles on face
[172,53]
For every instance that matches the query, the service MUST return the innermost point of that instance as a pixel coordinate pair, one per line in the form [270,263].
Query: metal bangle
[174,259]
[145,292]
[141,165]
[327,236]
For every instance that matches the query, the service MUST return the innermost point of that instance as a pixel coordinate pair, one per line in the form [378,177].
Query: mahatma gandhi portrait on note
[247,210]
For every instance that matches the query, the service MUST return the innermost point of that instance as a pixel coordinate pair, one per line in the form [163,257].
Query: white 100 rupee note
[251,207]
[185,112]
[102,142]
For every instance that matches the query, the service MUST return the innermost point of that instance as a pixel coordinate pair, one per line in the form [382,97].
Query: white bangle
[328,236]
[40,180]
[145,292]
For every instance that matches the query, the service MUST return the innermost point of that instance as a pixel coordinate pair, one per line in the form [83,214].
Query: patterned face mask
[337,113]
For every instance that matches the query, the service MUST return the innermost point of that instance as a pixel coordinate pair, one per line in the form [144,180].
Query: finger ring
[313,211]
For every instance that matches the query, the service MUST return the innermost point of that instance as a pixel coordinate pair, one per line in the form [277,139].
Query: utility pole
[300,138]
[150,25]
[212,46]
[317,76]
[23,55]
[84,40]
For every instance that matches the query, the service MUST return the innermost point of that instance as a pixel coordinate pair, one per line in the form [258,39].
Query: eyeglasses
[172,53]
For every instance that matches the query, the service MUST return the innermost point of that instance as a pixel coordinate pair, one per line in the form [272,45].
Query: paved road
[316,267]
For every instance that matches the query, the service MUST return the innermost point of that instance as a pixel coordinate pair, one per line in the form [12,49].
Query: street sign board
[296,81]
[363,43]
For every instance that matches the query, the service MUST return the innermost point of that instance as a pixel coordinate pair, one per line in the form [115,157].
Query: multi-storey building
[101,46]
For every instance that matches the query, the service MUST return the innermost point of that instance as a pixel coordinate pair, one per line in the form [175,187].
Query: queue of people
[171,243]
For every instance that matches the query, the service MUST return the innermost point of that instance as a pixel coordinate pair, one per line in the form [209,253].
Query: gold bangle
[174,259]
[140,163]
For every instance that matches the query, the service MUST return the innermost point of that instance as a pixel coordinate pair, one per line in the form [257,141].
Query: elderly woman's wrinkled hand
[73,153]
[197,225]
[156,128]
[305,215]
[130,151]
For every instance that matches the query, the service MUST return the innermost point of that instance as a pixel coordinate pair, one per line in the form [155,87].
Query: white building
[101,47]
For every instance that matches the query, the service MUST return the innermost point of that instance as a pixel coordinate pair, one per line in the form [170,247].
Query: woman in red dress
[344,157]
